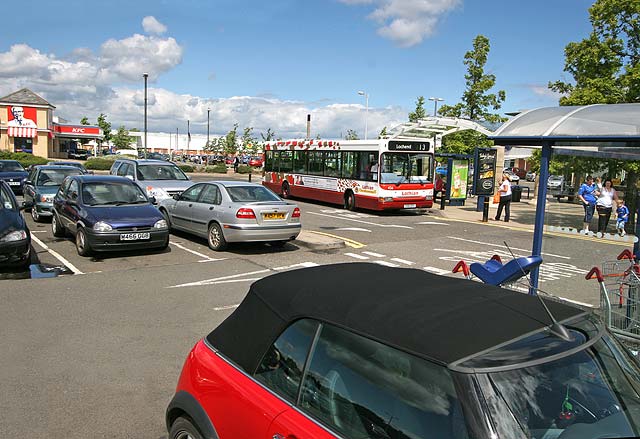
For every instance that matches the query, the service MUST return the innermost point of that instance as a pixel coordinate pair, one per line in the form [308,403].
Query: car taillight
[296,213]
[245,213]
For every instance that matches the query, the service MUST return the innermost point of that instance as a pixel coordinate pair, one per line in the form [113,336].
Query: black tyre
[215,238]
[286,190]
[35,215]
[350,201]
[182,428]
[56,228]
[82,243]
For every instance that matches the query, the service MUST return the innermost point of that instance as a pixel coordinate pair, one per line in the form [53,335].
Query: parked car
[74,164]
[360,350]
[158,178]
[559,187]
[530,176]
[155,156]
[256,161]
[555,182]
[521,173]
[15,238]
[442,170]
[78,154]
[514,178]
[41,186]
[12,172]
[229,160]
[232,211]
[106,213]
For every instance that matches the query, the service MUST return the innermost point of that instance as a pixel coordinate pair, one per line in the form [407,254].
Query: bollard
[250,177]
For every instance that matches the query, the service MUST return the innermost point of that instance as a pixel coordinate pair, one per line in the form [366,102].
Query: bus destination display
[398,145]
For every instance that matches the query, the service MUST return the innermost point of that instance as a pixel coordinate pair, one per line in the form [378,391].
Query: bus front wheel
[350,201]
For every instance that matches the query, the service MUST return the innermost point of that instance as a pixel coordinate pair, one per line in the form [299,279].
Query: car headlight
[16,235]
[157,192]
[101,226]
[160,224]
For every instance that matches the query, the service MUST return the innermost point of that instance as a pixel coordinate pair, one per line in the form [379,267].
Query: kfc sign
[82,130]
[25,117]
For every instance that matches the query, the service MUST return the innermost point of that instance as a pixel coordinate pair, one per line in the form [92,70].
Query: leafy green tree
[477,103]
[605,68]
[105,126]
[122,139]
[230,140]
[248,141]
[270,135]
[383,133]
[84,121]
[351,135]
[419,112]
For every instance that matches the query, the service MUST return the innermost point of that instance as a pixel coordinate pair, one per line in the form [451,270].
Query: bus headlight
[385,199]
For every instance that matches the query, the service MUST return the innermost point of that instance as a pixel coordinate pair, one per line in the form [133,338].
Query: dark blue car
[14,174]
[15,239]
[107,213]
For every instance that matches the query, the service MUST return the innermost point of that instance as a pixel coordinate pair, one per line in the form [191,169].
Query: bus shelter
[600,130]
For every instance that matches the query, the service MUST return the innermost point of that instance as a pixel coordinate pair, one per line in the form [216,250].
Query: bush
[220,168]
[24,158]
[244,169]
[186,168]
[99,163]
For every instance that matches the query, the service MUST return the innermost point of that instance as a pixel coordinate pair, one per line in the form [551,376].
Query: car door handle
[211,208]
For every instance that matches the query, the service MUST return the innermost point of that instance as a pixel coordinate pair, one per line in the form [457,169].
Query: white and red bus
[376,174]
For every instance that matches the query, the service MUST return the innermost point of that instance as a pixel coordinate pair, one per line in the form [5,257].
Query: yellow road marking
[347,241]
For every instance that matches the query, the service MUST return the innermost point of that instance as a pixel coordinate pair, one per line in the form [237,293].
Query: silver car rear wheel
[215,238]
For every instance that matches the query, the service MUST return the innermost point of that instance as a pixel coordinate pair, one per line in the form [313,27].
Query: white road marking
[222,308]
[353,229]
[435,223]
[218,279]
[57,255]
[375,255]
[512,248]
[435,270]
[204,257]
[403,261]
[386,264]
[354,255]
[38,231]
[360,221]
[301,264]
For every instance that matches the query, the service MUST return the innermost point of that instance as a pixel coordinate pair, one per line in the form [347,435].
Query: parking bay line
[513,248]
[360,221]
[204,257]
[57,255]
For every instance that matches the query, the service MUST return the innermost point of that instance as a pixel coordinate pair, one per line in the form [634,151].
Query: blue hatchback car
[14,174]
[107,213]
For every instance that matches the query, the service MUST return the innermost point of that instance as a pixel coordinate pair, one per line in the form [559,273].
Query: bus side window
[300,162]
[332,164]
[364,163]
[348,165]
[268,161]
[286,164]
[316,161]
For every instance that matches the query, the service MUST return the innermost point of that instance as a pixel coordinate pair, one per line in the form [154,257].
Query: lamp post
[208,111]
[366,99]
[145,76]
[435,105]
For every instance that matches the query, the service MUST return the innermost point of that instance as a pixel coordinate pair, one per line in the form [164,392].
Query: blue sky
[267,64]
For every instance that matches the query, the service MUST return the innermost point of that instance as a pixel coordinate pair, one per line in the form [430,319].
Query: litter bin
[516,193]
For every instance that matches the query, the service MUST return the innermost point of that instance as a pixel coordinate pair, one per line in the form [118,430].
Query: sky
[268,63]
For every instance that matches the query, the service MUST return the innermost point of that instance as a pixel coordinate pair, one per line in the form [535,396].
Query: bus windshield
[400,168]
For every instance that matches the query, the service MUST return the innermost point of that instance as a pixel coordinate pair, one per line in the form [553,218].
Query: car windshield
[112,193]
[405,168]
[160,172]
[251,194]
[54,177]
[555,178]
[10,167]
[593,393]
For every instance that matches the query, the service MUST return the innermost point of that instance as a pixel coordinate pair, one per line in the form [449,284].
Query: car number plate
[273,215]
[14,183]
[134,236]
[409,206]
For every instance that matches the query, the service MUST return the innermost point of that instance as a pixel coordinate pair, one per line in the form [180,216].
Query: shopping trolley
[619,282]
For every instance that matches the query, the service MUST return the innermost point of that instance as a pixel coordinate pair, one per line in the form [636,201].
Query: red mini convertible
[361,351]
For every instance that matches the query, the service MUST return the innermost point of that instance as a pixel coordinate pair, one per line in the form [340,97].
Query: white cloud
[543,90]
[152,26]
[407,22]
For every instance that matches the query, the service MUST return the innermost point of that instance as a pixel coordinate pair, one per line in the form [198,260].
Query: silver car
[158,178]
[232,211]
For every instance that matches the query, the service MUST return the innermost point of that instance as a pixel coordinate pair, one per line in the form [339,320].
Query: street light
[366,99]
[145,76]
[435,105]
[208,111]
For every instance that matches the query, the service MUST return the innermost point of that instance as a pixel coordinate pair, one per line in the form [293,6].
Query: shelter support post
[538,230]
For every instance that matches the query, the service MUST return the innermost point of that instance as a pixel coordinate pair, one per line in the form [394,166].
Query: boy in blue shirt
[623,216]
[587,194]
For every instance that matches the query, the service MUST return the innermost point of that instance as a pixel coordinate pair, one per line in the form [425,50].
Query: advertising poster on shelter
[459,176]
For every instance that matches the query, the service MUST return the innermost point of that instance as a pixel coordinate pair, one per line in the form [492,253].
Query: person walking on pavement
[587,195]
[505,199]
[604,205]
[236,163]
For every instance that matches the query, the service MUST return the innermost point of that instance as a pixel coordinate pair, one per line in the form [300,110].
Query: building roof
[25,97]
[439,318]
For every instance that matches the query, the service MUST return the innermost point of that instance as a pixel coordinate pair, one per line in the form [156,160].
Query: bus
[381,174]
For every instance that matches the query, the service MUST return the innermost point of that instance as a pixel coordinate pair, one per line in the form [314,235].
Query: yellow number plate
[273,216]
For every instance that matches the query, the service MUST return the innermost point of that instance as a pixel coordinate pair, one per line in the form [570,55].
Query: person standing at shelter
[505,199]
[587,195]
[604,205]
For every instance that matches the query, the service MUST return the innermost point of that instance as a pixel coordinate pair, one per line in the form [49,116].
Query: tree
[351,135]
[476,104]
[605,68]
[230,146]
[122,139]
[248,141]
[270,135]
[84,121]
[419,112]
[383,132]
[105,126]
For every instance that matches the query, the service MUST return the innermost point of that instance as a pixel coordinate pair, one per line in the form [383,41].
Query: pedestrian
[622,213]
[236,163]
[439,186]
[604,205]
[505,199]
[587,195]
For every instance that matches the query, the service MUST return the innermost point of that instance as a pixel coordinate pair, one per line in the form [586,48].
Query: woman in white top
[505,198]
[604,205]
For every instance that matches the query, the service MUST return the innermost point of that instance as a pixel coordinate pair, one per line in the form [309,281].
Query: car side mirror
[153,200]
[26,205]
[90,172]
[74,197]
[176,197]
[130,177]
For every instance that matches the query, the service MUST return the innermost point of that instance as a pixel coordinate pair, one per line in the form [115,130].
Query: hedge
[24,158]
[244,169]
[186,168]
[99,163]
[220,168]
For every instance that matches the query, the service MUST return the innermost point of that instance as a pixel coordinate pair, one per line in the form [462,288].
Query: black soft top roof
[440,318]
